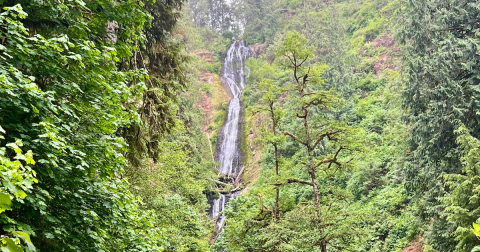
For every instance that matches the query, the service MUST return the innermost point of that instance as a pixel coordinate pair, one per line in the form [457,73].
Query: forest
[240,125]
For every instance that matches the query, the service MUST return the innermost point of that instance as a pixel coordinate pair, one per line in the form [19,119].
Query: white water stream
[228,145]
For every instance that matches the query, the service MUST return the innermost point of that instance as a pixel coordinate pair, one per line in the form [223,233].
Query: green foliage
[63,96]
[182,225]
[293,217]
[388,226]
[163,56]
[219,15]
[17,180]
[260,70]
[366,24]
[441,87]
[293,52]
[461,201]
[96,107]
[476,231]
[369,187]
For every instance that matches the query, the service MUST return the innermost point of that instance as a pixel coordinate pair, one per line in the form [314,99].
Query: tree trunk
[277,157]
[315,186]
[324,246]
[277,195]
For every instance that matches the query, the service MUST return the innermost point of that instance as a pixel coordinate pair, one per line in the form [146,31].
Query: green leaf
[5,202]
[29,157]
[11,246]
[26,238]
[476,229]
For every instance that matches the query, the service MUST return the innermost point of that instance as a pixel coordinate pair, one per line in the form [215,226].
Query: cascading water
[228,145]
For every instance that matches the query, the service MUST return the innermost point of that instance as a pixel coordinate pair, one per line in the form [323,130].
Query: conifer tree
[442,85]
[462,200]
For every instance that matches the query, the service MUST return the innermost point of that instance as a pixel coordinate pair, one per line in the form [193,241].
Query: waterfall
[228,145]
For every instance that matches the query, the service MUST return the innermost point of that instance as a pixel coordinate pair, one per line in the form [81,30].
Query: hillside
[240,125]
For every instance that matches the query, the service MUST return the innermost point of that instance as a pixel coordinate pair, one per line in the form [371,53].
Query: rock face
[258,49]
[228,144]
[205,103]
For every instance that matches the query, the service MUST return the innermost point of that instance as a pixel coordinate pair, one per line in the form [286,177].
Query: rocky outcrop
[258,49]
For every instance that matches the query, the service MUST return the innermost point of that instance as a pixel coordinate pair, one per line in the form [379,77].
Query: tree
[311,105]
[462,201]
[261,21]
[271,135]
[165,61]
[200,12]
[294,55]
[310,210]
[441,87]
[327,33]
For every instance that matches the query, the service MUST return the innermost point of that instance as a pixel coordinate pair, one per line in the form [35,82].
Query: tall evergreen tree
[442,85]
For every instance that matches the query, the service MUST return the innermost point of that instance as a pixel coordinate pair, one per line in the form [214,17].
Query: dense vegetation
[89,89]
[402,97]
[362,125]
